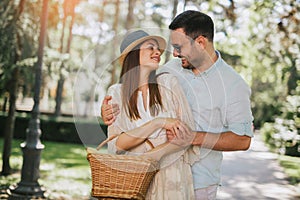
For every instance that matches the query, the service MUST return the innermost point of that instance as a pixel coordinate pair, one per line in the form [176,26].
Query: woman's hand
[171,125]
[182,135]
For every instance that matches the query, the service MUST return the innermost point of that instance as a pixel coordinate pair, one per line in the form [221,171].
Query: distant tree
[275,37]
[12,41]
[174,13]
[130,15]
[115,44]
[65,45]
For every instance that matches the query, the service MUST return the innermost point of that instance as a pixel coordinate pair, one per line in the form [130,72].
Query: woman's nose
[157,52]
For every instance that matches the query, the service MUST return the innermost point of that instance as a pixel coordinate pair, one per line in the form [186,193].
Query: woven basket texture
[121,176]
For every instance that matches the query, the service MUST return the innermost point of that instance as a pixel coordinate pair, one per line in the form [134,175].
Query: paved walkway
[254,174]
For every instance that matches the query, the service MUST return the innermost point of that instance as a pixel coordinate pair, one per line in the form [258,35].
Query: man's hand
[180,134]
[109,111]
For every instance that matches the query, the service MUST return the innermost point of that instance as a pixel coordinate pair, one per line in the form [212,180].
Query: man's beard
[190,66]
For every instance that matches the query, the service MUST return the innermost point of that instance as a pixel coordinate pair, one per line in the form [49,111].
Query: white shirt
[220,102]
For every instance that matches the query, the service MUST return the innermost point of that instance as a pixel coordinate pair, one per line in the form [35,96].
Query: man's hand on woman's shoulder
[109,111]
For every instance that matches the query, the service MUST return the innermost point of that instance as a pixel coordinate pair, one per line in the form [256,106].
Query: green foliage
[7,42]
[59,129]
[268,131]
[275,39]
[291,166]
[283,134]
[18,22]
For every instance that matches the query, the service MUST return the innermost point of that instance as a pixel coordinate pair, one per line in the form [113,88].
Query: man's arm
[109,111]
[227,141]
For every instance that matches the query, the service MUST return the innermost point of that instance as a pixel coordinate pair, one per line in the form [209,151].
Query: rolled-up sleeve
[239,115]
[243,128]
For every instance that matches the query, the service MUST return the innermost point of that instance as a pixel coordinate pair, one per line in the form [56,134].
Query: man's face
[183,47]
[185,64]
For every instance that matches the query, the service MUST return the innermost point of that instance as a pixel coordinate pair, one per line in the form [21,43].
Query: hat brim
[160,40]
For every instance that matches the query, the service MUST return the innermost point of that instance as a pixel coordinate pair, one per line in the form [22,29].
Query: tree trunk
[58,98]
[130,17]
[10,121]
[6,95]
[70,32]
[115,44]
[293,77]
[62,35]
[174,12]
[61,81]
[10,124]
[102,13]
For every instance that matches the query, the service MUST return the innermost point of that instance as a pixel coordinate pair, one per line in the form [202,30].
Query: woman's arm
[132,138]
[162,150]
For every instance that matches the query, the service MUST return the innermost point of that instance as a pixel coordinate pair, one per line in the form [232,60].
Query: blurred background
[259,38]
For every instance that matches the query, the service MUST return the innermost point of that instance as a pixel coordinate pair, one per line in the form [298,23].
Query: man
[218,96]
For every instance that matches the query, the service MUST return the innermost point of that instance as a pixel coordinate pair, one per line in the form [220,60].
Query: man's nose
[176,53]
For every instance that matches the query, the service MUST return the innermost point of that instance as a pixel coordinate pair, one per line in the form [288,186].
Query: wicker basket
[120,176]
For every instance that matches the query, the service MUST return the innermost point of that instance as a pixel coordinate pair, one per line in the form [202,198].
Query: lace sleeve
[182,107]
[184,113]
[114,129]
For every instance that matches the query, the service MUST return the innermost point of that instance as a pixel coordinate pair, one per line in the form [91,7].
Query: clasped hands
[178,132]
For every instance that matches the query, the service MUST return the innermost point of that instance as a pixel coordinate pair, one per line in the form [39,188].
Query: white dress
[174,179]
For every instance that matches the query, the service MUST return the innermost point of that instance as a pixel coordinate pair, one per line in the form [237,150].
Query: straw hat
[135,38]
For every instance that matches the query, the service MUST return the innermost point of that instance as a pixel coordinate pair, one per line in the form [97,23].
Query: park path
[255,174]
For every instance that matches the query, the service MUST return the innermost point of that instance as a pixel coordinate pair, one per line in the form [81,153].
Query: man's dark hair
[194,23]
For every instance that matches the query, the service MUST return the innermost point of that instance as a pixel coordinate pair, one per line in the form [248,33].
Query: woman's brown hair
[129,78]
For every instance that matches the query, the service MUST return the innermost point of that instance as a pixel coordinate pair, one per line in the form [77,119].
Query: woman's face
[150,54]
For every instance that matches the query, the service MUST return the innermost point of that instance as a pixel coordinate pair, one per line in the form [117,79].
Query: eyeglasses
[178,47]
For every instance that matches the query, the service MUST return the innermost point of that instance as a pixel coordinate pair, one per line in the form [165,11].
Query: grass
[290,164]
[291,167]
[64,170]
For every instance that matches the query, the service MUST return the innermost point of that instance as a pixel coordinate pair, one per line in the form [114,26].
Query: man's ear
[201,40]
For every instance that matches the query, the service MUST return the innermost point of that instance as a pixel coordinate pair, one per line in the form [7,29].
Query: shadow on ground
[255,174]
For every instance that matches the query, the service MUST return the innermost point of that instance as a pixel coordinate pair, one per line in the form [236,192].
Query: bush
[284,133]
[282,136]
[61,129]
[268,131]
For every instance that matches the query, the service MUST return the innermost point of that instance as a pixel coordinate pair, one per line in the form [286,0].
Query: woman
[150,104]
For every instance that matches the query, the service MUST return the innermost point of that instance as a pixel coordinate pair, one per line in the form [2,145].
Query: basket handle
[116,135]
[106,141]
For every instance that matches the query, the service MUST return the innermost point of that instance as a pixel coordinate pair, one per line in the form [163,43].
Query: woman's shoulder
[166,78]
[114,88]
